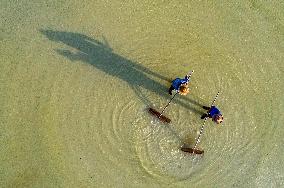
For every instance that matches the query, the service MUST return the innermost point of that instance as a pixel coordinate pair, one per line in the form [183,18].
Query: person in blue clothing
[214,113]
[180,85]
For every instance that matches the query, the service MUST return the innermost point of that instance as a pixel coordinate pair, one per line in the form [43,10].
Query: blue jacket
[178,81]
[213,111]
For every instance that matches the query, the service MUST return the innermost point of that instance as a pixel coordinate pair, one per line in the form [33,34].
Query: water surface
[76,79]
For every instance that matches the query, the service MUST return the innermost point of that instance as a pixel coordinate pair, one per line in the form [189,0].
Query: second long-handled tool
[194,150]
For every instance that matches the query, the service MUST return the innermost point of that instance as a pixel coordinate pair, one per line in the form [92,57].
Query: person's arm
[186,79]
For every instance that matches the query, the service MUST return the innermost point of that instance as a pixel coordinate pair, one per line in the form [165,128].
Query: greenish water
[76,79]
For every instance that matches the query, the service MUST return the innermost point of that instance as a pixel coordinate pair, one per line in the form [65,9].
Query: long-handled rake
[194,150]
[160,116]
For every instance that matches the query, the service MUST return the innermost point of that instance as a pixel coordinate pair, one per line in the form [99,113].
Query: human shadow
[100,55]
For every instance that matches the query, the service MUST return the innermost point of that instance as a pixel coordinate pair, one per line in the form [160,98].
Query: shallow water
[76,80]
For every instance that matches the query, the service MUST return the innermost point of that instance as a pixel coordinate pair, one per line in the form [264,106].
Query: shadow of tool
[101,56]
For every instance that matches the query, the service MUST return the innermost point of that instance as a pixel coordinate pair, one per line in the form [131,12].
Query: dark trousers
[171,89]
[206,107]
[206,115]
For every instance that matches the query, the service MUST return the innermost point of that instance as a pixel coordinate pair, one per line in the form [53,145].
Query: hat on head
[183,89]
[218,118]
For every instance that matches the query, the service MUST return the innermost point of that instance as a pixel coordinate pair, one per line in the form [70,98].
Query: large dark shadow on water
[101,56]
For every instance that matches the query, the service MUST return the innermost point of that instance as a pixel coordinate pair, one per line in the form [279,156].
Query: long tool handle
[189,75]
[168,104]
[202,127]
[200,133]
[215,98]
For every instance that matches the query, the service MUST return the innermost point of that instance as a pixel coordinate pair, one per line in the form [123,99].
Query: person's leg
[204,116]
[171,89]
[206,107]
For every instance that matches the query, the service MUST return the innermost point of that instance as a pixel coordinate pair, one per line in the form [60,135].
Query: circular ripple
[158,149]
[235,147]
